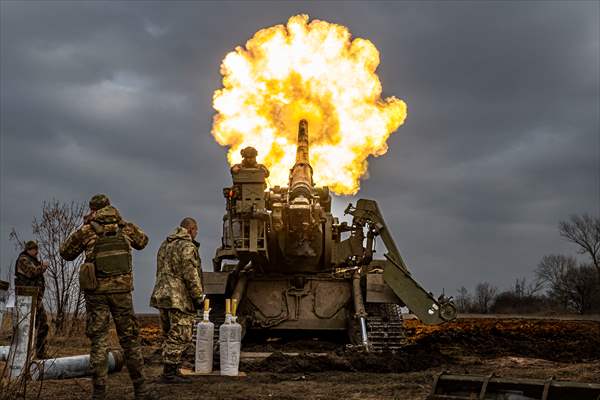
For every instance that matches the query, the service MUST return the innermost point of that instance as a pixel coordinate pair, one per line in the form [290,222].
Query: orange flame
[313,71]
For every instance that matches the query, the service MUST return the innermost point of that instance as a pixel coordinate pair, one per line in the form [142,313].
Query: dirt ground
[326,369]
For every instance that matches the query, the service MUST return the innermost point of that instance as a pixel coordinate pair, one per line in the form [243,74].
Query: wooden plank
[257,355]
[189,372]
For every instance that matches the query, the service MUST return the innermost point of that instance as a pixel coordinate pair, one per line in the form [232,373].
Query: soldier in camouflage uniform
[249,161]
[112,294]
[29,271]
[177,294]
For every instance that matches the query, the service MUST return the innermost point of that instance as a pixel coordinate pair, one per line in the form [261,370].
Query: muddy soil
[571,341]
[333,385]
[326,369]
[408,360]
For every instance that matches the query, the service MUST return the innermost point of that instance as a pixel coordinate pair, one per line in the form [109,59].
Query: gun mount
[296,267]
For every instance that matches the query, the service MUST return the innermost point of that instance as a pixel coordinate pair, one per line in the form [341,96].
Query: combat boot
[99,392]
[144,392]
[171,374]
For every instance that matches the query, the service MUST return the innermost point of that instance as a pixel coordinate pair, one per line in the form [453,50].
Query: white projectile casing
[230,344]
[205,331]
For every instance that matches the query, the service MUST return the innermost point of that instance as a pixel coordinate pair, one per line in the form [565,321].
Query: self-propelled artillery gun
[292,265]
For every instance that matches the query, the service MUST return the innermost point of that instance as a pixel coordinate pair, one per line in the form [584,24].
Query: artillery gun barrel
[301,183]
[302,145]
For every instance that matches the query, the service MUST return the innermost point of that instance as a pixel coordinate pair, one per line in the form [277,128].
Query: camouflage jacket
[30,272]
[84,238]
[178,273]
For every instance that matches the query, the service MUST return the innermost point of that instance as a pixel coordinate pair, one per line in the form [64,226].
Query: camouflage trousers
[41,331]
[176,328]
[99,308]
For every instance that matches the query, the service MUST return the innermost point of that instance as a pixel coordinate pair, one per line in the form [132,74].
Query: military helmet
[99,201]
[249,152]
[31,244]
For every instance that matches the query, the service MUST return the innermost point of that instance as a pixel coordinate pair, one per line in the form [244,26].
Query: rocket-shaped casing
[301,183]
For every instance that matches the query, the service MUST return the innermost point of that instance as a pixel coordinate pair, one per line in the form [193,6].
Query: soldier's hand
[45,264]
[199,303]
[88,217]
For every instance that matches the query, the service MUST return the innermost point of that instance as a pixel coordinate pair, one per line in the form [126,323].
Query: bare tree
[463,300]
[63,296]
[552,272]
[584,231]
[484,296]
[582,284]
[524,290]
[572,287]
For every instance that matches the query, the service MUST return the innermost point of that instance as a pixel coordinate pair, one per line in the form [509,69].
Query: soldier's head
[99,201]
[31,247]
[189,224]
[249,156]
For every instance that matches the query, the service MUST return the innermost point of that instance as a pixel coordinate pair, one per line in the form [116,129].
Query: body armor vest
[112,254]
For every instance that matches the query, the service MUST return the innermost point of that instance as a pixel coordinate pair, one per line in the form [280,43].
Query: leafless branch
[584,231]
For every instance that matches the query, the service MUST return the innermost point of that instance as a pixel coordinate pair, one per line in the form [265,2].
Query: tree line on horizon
[561,283]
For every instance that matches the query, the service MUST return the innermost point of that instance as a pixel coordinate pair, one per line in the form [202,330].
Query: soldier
[106,240]
[177,294]
[249,161]
[29,271]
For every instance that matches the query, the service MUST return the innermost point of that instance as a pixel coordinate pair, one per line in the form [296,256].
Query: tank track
[385,329]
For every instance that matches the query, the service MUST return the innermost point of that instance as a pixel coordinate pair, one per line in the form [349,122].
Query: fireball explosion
[306,70]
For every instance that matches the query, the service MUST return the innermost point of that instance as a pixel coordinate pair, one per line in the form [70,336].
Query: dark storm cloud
[501,140]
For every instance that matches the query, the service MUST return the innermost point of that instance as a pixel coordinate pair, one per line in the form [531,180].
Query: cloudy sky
[501,141]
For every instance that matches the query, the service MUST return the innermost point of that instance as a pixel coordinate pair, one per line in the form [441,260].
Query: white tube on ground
[71,367]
